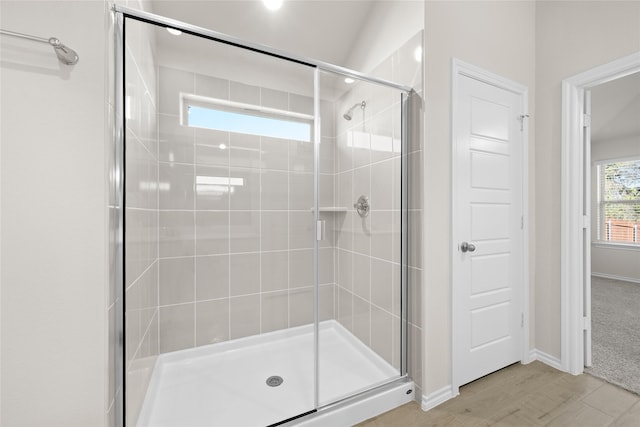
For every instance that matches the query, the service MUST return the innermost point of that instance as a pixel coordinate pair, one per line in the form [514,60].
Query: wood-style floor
[525,395]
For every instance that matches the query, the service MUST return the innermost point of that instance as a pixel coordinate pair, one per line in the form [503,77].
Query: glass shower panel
[359,258]
[220,232]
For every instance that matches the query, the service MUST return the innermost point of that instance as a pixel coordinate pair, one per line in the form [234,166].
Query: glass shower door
[360,169]
[219,232]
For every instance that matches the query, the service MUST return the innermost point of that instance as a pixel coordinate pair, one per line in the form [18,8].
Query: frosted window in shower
[252,124]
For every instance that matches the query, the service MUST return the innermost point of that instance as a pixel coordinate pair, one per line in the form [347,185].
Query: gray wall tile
[382,284]
[301,191]
[275,231]
[301,230]
[177,234]
[275,153]
[244,274]
[275,313]
[301,306]
[212,321]
[212,233]
[175,141]
[275,268]
[177,330]
[244,316]
[301,268]
[247,94]
[176,186]
[212,277]
[245,231]
[212,187]
[245,194]
[177,280]
[172,82]
[212,147]
[274,194]
[244,150]
[212,87]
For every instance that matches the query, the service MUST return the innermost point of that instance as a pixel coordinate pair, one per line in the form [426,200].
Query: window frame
[188,99]
[601,205]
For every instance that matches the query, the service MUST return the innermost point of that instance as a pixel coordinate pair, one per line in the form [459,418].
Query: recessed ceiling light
[348,80]
[174,31]
[417,54]
[272,4]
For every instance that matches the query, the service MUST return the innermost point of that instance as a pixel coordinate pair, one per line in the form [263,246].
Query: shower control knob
[362,206]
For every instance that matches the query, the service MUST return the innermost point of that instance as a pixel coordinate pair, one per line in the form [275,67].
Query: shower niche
[263,232]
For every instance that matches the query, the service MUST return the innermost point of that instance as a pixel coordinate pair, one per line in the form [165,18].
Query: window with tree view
[619,201]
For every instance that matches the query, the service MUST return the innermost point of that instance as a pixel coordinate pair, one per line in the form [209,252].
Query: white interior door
[488,281]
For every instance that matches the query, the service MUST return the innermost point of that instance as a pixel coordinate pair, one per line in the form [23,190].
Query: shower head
[65,55]
[349,114]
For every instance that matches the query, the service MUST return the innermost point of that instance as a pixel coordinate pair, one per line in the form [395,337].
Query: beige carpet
[615,320]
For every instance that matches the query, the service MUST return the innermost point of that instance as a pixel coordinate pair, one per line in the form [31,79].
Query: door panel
[489,222]
[489,119]
[487,281]
[489,170]
[489,273]
[489,324]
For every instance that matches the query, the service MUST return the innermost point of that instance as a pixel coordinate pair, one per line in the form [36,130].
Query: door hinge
[585,221]
[585,323]
[522,222]
[521,117]
[586,120]
[522,320]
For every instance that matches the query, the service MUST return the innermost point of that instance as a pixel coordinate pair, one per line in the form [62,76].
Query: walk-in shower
[256,291]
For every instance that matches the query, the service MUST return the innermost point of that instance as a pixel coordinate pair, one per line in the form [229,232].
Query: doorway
[613,199]
[576,224]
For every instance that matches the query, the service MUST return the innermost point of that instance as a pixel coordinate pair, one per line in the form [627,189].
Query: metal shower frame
[122,12]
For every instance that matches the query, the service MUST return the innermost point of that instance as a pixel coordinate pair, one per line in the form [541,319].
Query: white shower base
[225,384]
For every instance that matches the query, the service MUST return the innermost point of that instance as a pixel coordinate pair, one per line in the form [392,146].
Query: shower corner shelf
[331,209]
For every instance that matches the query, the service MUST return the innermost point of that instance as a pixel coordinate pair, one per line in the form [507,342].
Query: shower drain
[274,381]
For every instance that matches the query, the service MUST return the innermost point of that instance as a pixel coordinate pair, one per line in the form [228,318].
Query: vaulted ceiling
[325,30]
[615,110]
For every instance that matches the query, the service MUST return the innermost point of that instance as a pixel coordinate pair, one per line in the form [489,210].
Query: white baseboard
[433,399]
[614,277]
[545,358]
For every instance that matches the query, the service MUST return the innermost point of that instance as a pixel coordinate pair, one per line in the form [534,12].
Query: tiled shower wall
[141,215]
[236,257]
[368,162]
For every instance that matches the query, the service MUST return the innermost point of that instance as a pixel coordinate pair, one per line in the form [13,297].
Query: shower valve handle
[362,206]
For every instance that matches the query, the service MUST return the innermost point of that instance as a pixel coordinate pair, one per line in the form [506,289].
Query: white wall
[54,239]
[498,36]
[615,148]
[571,37]
[615,262]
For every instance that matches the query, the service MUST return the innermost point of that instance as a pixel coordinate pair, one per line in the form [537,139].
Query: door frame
[462,69]
[575,226]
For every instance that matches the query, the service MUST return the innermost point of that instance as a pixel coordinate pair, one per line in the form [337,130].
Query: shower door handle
[320,226]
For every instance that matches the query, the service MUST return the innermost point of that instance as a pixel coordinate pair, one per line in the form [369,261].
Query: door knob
[467,247]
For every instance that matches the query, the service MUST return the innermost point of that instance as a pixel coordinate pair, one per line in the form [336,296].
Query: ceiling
[324,30]
[615,109]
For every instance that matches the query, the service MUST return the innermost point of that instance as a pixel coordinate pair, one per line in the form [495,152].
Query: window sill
[622,246]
